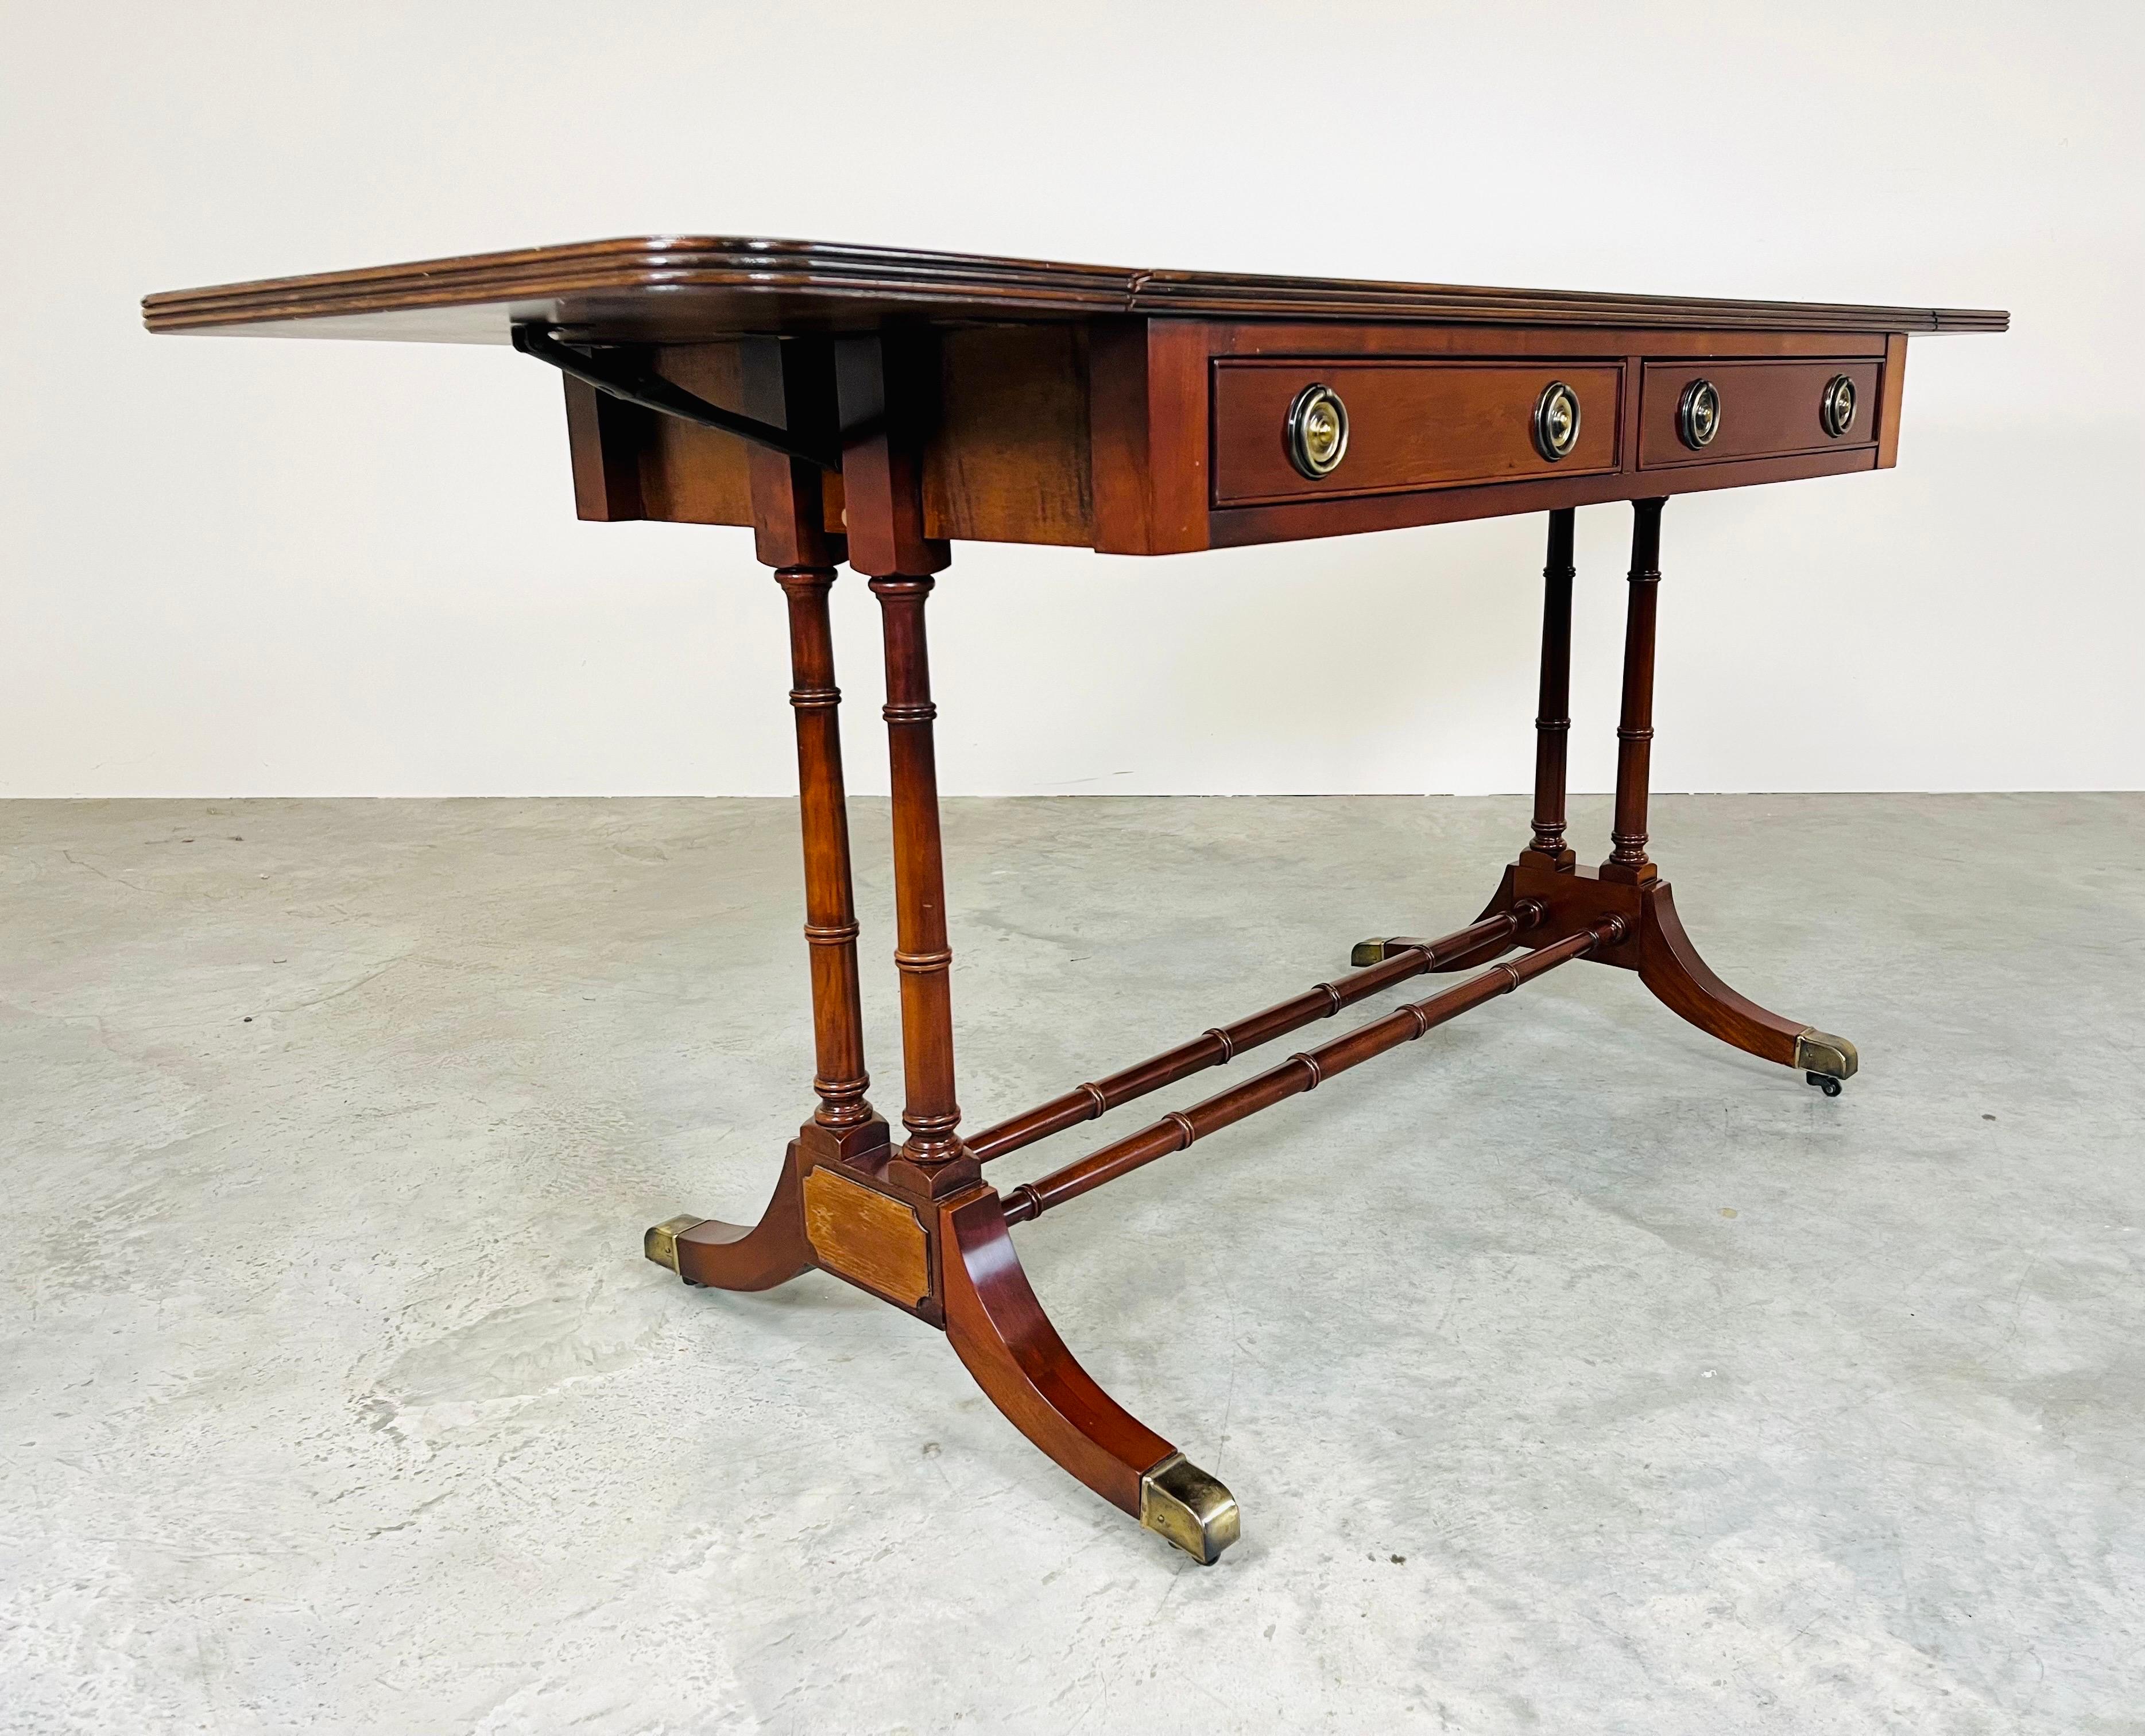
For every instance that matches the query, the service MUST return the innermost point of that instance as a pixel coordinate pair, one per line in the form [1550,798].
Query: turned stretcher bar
[1397,960]
[1299,1073]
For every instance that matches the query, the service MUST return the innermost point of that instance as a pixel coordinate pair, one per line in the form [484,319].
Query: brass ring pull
[1317,431]
[1557,422]
[1698,413]
[1836,408]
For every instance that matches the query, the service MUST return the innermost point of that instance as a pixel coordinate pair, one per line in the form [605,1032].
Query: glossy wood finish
[1402,959]
[796,506]
[1148,396]
[1005,458]
[886,386]
[830,916]
[1768,409]
[606,439]
[1893,388]
[1553,708]
[1161,436]
[732,1256]
[1635,728]
[1134,412]
[924,954]
[1656,946]
[1295,1076]
[1669,965]
[792,383]
[871,1238]
[1411,425]
[887,392]
[1002,1334]
[1077,405]
[1352,515]
[659,288]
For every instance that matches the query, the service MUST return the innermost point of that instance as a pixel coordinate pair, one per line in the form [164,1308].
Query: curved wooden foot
[1669,965]
[1000,1332]
[1658,948]
[730,1256]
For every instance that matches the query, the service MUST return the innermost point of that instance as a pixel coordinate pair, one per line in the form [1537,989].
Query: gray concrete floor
[1576,1373]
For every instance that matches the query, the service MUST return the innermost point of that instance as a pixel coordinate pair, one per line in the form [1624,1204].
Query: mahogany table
[875,406]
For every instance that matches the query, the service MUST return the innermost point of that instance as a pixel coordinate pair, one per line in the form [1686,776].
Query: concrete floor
[1576,1373]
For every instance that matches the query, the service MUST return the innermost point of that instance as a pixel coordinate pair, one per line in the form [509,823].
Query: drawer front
[1410,425]
[1766,409]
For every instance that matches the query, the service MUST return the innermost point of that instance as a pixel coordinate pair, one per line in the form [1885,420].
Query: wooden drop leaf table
[874,406]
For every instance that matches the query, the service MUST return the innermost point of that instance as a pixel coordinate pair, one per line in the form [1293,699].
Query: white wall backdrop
[237,567]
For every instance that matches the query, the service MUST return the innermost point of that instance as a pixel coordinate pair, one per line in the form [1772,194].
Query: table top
[682,288]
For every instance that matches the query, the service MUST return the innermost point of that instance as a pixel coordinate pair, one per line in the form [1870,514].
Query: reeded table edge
[971,286]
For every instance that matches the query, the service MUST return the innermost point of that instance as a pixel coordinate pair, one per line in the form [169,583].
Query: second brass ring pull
[1698,413]
[1836,410]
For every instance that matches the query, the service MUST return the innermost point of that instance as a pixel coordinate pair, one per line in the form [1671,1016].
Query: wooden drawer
[1410,425]
[1768,409]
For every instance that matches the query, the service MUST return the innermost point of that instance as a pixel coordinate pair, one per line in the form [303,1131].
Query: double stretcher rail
[1403,959]
[1299,1073]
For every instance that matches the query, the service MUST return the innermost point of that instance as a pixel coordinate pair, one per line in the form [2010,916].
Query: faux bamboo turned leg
[1547,849]
[830,916]
[980,1294]
[1628,884]
[792,383]
[886,382]
[1634,729]
[923,954]
[1553,713]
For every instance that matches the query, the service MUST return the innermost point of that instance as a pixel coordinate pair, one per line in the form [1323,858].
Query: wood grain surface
[870,1238]
[1410,425]
[678,288]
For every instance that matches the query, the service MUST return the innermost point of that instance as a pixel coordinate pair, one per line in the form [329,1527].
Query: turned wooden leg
[861,1227]
[793,384]
[1629,885]
[1548,851]
[1668,964]
[707,1251]
[1634,729]
[830,916]
[1553,711]
[887,383]
[1572,900]
[931,1161]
